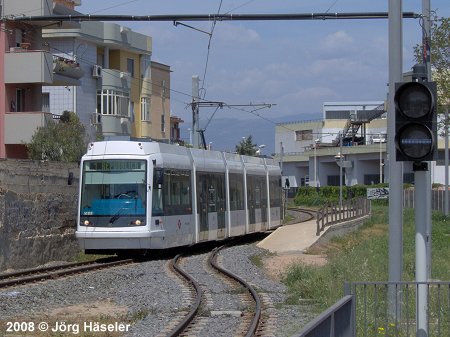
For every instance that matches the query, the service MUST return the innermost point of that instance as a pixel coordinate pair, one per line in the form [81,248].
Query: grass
[363,256]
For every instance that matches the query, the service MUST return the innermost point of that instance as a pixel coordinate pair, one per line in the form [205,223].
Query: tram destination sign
[378,193]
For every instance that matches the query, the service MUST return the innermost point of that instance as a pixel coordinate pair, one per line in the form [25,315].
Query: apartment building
[102,71]
[113,97]
[27,64]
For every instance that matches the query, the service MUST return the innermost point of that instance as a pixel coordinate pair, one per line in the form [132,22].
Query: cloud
[339,41]
[235,35]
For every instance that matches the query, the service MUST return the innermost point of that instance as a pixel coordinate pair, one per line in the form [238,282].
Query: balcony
[116,125]
[66,72]
[114,80]
[21,126]
[28,66]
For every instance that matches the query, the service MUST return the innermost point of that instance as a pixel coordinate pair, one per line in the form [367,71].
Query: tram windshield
[113,193]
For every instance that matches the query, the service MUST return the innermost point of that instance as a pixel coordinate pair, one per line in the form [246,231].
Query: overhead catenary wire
[216,17]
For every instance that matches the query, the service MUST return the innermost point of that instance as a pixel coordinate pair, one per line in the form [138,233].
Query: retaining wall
[38,203]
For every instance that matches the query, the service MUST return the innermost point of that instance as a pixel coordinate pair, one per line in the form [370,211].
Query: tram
[143,195]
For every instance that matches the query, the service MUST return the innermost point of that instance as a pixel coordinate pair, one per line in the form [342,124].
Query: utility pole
[395,168]
[195,110]
[446,161]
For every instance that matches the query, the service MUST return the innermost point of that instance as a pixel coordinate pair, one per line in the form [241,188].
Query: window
[130,67]
[163,123]
[171,192]
[177,192]
[145,66]
[334,180]
[46,101]
[236,191]
[20,99]
[303,135]
[111,102]
[114,193]
[370,179]
[145,108]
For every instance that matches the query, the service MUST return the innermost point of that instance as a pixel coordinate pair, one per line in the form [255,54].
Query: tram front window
[113,193]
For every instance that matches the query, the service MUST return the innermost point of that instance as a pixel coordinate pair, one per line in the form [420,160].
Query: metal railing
[331,213]
[437,199]
[384,309]
[389,308]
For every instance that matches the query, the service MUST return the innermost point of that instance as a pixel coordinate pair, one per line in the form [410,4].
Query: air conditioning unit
[96,118]
[96,71]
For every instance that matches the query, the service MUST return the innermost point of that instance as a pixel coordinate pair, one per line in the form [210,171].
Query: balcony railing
[28,66]
[21,126]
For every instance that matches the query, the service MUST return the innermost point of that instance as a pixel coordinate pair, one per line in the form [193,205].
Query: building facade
[26,65]
[349,140]
[115,90]
[102,71]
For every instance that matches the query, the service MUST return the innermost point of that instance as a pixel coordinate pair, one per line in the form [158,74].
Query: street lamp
[315,161]
[260,147]
[381,162]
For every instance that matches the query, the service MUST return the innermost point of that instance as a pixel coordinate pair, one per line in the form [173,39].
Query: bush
[311,196]
[63,141]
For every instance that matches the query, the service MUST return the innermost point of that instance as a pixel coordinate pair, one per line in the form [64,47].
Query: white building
[310,150]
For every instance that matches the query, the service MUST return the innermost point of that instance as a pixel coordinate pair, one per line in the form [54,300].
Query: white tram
[137,195]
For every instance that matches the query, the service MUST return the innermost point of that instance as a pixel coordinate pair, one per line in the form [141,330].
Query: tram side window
[177,192]
[157,195]
[236,192]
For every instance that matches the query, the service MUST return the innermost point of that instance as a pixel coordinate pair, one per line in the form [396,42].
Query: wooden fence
[331,213]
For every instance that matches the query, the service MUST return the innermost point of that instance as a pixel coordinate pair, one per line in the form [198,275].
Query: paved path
[291,238]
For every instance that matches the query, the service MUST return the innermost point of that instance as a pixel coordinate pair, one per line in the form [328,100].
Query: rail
[332,213]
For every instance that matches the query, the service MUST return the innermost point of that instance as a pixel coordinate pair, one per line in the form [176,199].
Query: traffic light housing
[415,121]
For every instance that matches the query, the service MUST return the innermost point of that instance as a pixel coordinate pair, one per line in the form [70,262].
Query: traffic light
[415,121]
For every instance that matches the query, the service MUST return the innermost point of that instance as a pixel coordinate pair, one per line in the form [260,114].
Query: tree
[63,141]
[246,147]
[440,58]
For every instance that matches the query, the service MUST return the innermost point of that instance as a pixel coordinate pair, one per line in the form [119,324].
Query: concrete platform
[297,238]
[292,238]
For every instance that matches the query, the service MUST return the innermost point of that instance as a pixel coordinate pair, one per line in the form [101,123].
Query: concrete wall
[37,213]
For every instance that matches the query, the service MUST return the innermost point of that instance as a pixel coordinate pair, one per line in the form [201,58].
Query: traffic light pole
[420,212]
[426,12]
[395,267]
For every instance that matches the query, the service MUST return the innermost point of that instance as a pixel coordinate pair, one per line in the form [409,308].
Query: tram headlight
[86,223]
[136,223]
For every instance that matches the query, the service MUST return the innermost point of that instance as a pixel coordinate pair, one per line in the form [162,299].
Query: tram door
[211,205]
[257,202]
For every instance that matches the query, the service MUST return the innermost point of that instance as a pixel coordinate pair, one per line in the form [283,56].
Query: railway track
[249,313]
[308,214]
[46,273]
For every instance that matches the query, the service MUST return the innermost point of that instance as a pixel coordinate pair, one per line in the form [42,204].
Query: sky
[295,66]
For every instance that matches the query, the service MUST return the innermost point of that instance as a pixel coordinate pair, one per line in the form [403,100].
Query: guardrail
[332,213]
[335,321]
[384,309]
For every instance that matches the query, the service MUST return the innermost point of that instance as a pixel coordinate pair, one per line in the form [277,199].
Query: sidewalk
[292,238]
[300,236]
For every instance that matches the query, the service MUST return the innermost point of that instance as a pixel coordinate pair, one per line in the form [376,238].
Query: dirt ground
[276,265]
